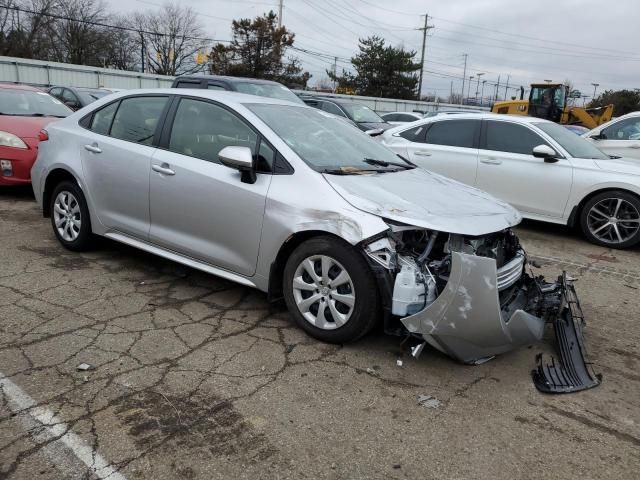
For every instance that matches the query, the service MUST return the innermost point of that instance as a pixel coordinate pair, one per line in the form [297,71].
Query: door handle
[93,148]
[163,169]
[635,145]
[423,153]
[491,161]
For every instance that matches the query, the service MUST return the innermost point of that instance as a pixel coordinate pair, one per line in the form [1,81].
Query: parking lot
[192,376]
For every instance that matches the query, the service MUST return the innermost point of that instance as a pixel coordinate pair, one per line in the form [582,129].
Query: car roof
[409,113]
[15,86]
[226,78]
[226,96]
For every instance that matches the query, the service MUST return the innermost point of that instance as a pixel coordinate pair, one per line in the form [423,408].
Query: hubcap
[613,220]
[66,215]
[323,292]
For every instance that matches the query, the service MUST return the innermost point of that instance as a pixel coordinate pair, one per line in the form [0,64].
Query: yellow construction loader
[549,101]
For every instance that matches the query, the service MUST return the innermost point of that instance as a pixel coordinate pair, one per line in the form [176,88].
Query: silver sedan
[285,198]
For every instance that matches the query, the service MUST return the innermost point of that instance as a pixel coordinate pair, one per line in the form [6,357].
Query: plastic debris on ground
[428,401]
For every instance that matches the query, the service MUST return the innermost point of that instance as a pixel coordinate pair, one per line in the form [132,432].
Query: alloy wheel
[613,220]
[323,292]
[67,216]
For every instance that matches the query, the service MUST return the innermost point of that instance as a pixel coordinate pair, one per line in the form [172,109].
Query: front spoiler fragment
[571,372]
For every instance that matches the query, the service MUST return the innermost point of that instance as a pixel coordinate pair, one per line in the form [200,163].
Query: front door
[199,207]
[508,170]
[116,157]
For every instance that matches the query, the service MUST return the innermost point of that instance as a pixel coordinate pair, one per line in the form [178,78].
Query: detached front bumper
[469,320]
[483,312]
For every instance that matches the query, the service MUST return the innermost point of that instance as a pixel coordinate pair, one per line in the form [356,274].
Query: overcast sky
[585,41]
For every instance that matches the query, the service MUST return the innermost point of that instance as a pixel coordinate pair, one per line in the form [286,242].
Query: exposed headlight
[10,140]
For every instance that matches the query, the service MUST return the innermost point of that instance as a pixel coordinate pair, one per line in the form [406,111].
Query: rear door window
[332,108]
[101,122]
[137,119]
[454,133]
[188,84]
[511,137]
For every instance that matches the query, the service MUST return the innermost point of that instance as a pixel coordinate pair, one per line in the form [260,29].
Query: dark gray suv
[252,86]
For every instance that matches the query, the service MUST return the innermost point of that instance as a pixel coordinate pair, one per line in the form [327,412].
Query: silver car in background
[284,198]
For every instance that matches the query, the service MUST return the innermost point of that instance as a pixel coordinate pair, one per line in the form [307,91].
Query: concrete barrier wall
[37,72]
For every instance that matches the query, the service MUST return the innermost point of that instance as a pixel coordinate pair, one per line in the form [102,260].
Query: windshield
[30,103]
[323,141]
[577,146]
[361,114]
[268,90]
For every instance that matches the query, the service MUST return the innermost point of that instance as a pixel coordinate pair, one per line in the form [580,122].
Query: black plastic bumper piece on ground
[571,372]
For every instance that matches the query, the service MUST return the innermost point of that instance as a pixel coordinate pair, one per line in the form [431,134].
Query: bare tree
[171,39]
[24,33]
[77,37]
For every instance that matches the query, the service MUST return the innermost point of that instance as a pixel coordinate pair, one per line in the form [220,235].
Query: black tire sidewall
[629,197]
[366,311]
[83,240]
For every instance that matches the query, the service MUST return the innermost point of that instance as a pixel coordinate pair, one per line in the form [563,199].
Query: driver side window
[201,129]
[628,129]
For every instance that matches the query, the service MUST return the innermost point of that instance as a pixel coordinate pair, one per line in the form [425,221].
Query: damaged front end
[471,298]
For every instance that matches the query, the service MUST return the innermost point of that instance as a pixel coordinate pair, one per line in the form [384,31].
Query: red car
[24,112]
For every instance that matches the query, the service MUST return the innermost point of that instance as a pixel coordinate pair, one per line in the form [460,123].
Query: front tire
[70,217]
[330,290]
[612,219]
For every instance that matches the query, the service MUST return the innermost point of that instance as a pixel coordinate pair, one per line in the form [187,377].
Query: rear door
[447,147]
[508,170]
[116,159]
[621,138]
[199,207]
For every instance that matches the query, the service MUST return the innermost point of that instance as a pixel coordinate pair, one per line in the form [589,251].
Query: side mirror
[374,132]
[72,105]
[241,159]
[546,152]
[598,136]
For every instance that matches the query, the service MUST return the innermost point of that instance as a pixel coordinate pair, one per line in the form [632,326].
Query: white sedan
[619,137]
[541,168]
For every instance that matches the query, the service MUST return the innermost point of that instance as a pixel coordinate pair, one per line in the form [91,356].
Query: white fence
[37,72]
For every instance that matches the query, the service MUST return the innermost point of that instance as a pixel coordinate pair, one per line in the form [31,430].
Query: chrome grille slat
[511,272]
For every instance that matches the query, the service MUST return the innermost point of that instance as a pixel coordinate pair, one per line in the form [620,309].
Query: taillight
[43,135]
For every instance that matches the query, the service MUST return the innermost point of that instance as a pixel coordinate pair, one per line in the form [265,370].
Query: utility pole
[142,51]
[478,86]
[595,86]
[280,13]
[335,72]
[482,93]
[495,97]
[469,88]
[464,77]
[424,44]
[506,89]
[451,93]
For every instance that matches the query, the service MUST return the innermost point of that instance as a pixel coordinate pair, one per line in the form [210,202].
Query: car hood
[626,166]
[24,127]
[425,199]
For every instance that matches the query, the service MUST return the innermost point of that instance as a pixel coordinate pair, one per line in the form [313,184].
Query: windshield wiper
[350,171]
[384,163]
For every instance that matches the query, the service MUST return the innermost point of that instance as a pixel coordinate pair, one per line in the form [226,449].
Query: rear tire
[612,219]
[330,290]
[70,217]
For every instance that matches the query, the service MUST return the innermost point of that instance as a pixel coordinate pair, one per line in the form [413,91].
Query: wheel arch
[276,271]
[54,177]
[574,217]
